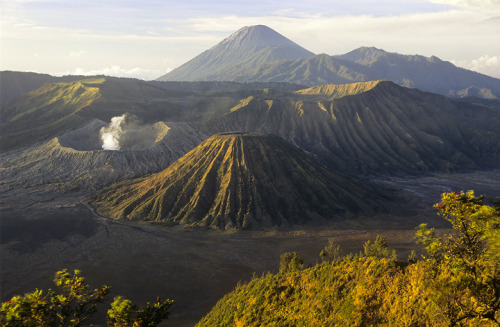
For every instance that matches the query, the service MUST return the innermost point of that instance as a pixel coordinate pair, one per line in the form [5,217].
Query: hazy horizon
[147,39]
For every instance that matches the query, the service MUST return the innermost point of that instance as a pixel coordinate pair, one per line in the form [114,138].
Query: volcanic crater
[88,138]
[77,158]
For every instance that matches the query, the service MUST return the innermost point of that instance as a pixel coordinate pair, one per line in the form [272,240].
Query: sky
[147,38]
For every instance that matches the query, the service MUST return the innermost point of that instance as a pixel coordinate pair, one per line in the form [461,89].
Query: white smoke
[110,135]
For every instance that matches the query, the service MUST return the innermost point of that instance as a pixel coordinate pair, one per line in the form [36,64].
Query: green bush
[456,283]
[74,303]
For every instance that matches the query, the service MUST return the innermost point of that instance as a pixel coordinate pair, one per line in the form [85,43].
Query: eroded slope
[387,129]
[239,180]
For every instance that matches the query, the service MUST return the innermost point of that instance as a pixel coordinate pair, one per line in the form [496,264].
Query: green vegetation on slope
[14,84]
[239,180]
[45,112]
[335,91]
[456,283]
[53,101]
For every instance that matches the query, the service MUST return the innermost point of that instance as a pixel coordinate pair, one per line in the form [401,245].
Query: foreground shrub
[456,283]
[74,303]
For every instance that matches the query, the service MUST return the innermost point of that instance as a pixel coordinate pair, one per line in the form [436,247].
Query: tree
[466,261]
[74,303]
[290,261]
[124,313]
[331,252]
[378,248]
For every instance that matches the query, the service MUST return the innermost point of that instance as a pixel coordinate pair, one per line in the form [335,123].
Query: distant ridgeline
[369,128]
[260,54]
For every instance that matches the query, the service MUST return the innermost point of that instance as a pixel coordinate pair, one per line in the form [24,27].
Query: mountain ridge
[334,91]
[429,73]
[360,65]
[387,128]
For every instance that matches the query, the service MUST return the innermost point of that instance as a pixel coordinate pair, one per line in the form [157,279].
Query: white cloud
[117,71]
[77,54]
[488,65]
[472,4]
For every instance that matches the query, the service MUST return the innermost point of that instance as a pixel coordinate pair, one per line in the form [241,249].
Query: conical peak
[257,36]
[237,180]
[245,49]
[255,29]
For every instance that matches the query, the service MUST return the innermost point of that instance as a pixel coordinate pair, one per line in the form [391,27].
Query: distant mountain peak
[245,49]
[364,55]
[256,37]
[369,50]
[260,54]
[370,55]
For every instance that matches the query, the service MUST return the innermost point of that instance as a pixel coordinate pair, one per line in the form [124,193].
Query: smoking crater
[110,135]
[124,132]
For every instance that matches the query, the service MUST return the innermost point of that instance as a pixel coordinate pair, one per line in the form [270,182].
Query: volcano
[260,54]
[247,48]
[76,159]
[239,181]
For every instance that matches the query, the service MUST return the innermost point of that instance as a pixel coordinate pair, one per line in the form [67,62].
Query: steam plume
[110,135]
